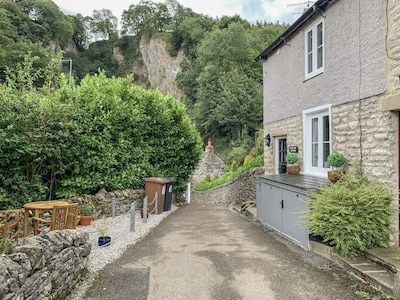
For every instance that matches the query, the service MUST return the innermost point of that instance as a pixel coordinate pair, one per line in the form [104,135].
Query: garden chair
[62,217]
[9,220]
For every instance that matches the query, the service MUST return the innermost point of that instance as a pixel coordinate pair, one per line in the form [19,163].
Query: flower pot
[335,175]
[85,220]
[104,241]
[293,169]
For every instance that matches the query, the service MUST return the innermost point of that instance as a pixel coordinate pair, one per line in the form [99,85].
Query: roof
[318,7]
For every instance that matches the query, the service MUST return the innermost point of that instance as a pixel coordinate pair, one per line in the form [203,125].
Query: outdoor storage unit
[280,201]
[153,185]
[169,188]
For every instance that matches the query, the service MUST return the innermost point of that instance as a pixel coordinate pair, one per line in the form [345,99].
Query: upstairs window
[314,49]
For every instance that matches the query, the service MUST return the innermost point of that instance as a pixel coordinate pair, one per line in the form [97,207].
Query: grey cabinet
[280,201]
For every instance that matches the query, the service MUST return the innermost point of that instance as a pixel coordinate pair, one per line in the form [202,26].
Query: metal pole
[113,207]
[132,227]
[145,210]
[70,68]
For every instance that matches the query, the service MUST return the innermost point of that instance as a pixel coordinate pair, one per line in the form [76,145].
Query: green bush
[234,166]
[352,214]
[103,133]
[336,160]
[291,158]
[247,159]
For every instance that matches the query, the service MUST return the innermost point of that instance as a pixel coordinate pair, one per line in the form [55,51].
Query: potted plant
[292,166]
[336,160]
[86,215]
[102,228]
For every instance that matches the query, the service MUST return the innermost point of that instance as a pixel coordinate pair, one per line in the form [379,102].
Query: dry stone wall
[241,189]
[46,266]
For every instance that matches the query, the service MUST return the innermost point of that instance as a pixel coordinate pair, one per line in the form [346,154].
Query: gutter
[318,7]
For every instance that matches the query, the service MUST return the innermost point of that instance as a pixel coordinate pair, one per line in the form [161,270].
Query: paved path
[210,252]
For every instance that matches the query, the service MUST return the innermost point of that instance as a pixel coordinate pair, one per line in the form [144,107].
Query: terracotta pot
[293,169]
[85,220]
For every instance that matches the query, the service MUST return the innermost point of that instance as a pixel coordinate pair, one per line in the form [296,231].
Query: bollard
[113,207]
[132,229]
[145,210]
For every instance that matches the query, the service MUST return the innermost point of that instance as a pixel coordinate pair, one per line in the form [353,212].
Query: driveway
[212,252]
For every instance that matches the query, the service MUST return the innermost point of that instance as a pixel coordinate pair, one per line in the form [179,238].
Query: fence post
[156,204]
[145,210]
[113,207]
[132,229]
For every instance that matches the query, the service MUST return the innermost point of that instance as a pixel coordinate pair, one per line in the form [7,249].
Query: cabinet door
[274,208]
[294,204]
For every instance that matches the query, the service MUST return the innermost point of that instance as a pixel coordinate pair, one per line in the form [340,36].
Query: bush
[352,214]
[336,160]
[291,158]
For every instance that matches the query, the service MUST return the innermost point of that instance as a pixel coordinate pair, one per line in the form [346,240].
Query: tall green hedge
[104,133]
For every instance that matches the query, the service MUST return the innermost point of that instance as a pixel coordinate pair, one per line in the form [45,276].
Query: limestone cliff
[156,67]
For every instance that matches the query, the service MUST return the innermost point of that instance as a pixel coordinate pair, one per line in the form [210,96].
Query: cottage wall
[355,62]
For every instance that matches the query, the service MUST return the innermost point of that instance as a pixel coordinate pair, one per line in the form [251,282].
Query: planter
[335,175]
[104,241]
[293,170]
[85,220]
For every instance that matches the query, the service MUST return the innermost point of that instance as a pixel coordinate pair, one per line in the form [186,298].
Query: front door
[281,151]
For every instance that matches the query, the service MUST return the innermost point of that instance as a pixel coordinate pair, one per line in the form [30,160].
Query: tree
[104,24]
[145,18]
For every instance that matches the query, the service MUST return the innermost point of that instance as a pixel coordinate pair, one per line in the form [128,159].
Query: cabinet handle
[282,204]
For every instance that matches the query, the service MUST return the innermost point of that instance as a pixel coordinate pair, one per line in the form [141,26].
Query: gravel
[122,237]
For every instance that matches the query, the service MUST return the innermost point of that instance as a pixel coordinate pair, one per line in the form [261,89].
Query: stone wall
[102,201]
[242,188]
[360,130]
[46,266]
[209,164]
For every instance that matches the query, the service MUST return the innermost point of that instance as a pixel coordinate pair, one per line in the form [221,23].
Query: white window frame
[308,115]
[311,51]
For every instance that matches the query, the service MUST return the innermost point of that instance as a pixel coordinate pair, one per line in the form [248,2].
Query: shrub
[336,160]
[352,214]
[291,158]
[234,166]
[247,159]
[207,178]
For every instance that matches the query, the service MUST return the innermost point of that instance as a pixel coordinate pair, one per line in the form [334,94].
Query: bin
[169,188]
[153,185]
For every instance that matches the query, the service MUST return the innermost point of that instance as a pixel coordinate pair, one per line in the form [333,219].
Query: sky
[252,10]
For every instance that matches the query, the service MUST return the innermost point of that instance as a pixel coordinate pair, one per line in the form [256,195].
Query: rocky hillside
[156,67]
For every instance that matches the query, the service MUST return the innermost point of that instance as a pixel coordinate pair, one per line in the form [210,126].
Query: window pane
[314,128]
[315,155]
[319,35]
[309,41]
[309,52]
[326,153]
[319,57]
[325,125]
[320,47]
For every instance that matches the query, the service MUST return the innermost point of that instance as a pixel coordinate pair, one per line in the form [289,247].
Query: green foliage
[352,214]
[253,163]
[291,158]
[86,209]
[234,166]
[104,133]
[336,160]
[247,159]
[208,177]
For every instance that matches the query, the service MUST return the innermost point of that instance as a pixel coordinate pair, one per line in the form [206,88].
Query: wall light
[268,140]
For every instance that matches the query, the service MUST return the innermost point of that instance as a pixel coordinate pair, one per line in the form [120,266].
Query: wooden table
[37,208]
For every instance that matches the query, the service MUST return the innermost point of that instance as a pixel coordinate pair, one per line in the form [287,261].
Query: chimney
[209,148]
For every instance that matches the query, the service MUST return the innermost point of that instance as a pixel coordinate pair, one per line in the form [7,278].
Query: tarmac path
[211,252]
